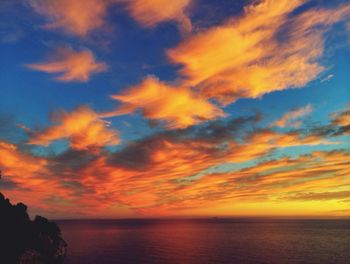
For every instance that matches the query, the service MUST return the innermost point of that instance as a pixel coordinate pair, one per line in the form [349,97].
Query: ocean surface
[203,241]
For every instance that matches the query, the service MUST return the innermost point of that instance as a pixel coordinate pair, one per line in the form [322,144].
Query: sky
[188,108]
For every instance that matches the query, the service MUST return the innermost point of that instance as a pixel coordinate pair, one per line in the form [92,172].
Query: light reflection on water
[207,241]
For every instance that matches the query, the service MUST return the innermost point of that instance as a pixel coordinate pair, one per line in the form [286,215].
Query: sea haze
[202,241]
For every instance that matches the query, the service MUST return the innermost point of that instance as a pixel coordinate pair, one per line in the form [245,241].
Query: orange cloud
[71,65]
[321,195]
[289,119]
[247,58]
[78,17]
[151,174]
[169,174]
[15,162]
[175,172]
[268,184]
[178,107]
[82,127]
[83,17]
[23,173]
[151,12]
[342,118]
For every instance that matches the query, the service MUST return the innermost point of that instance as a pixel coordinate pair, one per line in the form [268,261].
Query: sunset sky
[158,108]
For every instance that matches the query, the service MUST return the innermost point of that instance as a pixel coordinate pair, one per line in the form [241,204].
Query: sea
[204,241]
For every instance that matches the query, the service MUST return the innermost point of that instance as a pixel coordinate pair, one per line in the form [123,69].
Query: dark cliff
[23,240]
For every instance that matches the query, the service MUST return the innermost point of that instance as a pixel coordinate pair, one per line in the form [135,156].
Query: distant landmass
[23,240]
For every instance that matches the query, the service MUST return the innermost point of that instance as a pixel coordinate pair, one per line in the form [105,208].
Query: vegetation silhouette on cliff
[23,240]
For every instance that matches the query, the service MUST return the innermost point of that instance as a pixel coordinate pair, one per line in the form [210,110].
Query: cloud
[154,170]
[21,173]
[291,118]
[342,118]
[177,107]
[321,196]
[205,151]
[70,65]
[72,161]
[219,130]
[327,78]
[208,140]
[14,161]
[339,125]
[266,183]
[171,172]
[152,12]
[82,127]
[7,185]
[84,17]
[264,50]
[78,17]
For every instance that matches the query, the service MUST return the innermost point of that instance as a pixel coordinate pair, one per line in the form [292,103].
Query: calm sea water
[216,241]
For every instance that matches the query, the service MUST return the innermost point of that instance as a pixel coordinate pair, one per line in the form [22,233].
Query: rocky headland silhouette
[23,240]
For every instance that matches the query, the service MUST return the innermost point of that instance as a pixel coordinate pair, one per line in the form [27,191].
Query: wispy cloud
[327,78]
[177,107]
[78,17]
[342,118]
[70,65]
[319,196]
[15,160]
[167,173]
[266,49]
[267,184]
[245,62]
[82,127]
[292,118]
[338,125]
[151,12]
[84,17]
